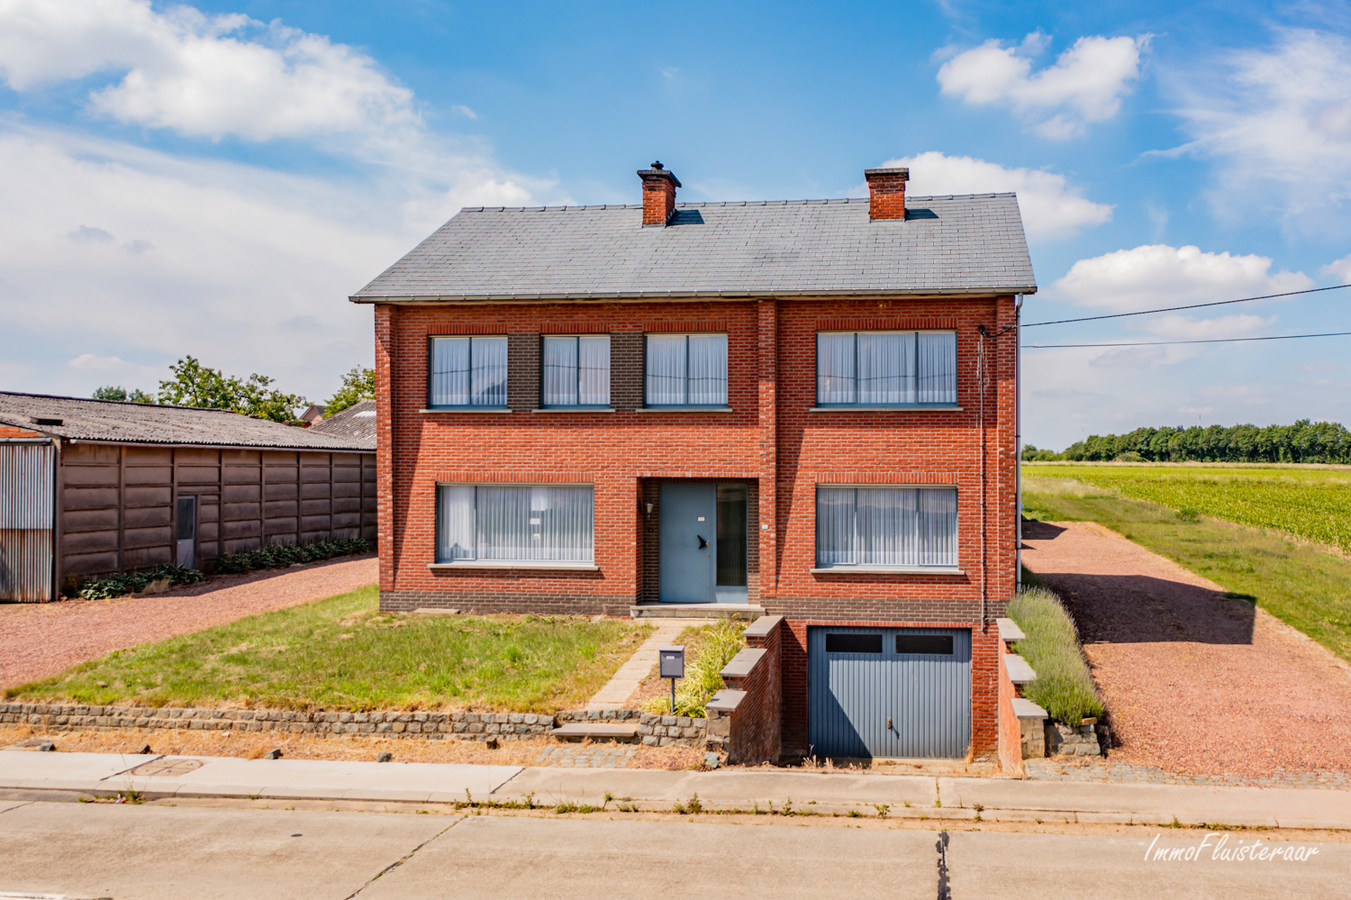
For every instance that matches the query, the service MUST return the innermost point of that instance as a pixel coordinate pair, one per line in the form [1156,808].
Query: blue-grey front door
[689,538]
[889,692]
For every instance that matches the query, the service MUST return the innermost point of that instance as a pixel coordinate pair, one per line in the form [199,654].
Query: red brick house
[804,408]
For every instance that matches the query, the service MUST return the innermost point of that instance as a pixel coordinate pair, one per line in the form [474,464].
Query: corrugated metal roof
[971,244]
[137,423]
[356,423]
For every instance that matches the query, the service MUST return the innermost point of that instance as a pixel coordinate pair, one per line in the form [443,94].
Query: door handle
[702,543]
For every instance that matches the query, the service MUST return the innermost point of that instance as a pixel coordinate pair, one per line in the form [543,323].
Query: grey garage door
[889,692]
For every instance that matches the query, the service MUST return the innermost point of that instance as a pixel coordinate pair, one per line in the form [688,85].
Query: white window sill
[468,409]
[888,570]
[871,408]
[684,409]
[575,409]
[535,566]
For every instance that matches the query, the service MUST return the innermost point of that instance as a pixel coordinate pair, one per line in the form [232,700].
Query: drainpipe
[1018,437]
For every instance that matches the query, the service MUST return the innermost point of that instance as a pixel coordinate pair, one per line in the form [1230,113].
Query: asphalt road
[156,851]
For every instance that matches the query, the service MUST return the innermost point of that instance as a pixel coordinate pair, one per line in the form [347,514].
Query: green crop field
[1311,503]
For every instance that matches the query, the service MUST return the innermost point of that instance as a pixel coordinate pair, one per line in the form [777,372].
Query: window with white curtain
[886,368]
[467,371]
[886,526]
[577,370]
[686,370]
[514,523]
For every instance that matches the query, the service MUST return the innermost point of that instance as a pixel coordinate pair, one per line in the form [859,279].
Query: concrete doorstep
[939,799]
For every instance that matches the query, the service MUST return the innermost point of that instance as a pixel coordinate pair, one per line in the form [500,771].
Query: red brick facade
[772,439]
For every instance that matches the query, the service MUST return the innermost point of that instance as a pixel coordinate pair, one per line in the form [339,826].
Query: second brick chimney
[886,192]
[659,190]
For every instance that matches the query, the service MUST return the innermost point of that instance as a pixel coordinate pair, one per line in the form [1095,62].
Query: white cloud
[204,76]
[1179,327]
[1156,275]
[1051,207]
[1340,268]
[238,252]
[1085,84]
[1280,121]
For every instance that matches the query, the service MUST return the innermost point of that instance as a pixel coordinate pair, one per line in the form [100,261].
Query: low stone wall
[1066,740]
[653,730]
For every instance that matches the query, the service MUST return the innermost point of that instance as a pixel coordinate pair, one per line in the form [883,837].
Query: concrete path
[939,799]
[158,852]
[625,681]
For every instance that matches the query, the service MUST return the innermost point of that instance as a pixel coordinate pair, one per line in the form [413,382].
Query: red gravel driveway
[1194,681]
[38,640]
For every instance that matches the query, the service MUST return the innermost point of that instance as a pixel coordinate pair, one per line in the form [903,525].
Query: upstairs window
[908,528]
[886,368]
[577,371]
[468,371]
[686,370]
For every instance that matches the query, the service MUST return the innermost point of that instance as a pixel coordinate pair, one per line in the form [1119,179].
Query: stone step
[694,610]
[596,731]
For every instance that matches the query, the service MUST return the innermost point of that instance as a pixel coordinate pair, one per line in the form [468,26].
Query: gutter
[662,296]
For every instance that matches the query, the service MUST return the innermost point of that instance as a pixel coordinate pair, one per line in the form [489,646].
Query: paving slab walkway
[38,640]
[630,675]
[1194,681]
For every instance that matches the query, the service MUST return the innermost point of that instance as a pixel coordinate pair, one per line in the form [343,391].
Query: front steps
[695,611]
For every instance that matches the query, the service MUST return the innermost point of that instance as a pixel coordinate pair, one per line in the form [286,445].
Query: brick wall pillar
[384,442]
[767,333]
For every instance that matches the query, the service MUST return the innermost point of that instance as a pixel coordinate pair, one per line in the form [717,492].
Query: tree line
[194,384]
[1303,442]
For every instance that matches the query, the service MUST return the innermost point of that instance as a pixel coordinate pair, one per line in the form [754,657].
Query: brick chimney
[659,189]
[886,193]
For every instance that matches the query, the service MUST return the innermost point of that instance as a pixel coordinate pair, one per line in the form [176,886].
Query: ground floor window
[515,523]
[886,526]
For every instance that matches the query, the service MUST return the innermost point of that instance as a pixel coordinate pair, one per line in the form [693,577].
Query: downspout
[1018,440]
[984,523]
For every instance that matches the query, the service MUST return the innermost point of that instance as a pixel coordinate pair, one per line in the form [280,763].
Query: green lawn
[1305,586]
[342,653]
[1311,502]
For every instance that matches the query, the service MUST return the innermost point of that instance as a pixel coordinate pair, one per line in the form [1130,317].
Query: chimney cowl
[659,191]
[886,193]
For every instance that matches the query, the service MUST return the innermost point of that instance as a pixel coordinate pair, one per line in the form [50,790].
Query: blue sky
[216,179]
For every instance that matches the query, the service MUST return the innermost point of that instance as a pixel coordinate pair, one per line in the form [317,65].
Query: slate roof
[137,423]
[356,423]
[968,244]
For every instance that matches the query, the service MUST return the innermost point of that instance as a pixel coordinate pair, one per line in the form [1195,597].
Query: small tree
[357,385]
[117,392]
[197,385]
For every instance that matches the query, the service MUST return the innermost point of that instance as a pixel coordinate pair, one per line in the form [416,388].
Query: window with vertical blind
[576,370]
[686,370]
[901,527]
[467,372]
[886,368]
[514,523]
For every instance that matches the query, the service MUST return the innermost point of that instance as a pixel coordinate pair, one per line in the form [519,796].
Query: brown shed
[93,487]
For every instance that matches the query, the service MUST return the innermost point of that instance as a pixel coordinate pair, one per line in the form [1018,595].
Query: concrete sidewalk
[900,796]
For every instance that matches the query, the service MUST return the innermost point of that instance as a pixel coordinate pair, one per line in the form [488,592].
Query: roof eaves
[680,295]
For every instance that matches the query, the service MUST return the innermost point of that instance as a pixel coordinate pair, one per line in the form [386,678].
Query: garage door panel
[905,698]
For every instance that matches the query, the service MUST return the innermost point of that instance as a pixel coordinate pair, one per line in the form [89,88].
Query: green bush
[281,555]
[703,672]
[1064,687]
[134,582]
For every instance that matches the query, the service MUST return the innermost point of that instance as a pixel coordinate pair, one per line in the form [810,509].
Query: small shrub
[1130,456]
[134,582]
[703,673]
[1188,515]
[280,555]
[1064,687]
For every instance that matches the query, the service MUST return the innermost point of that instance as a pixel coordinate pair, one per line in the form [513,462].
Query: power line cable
[1150,312]
[1277,337]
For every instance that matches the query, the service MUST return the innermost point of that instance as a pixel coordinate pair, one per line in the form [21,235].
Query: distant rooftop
[356,423]
[79,419]
[969,245]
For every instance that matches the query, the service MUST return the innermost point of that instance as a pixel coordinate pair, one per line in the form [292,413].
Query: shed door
[27,507]
[187,531]
[889,692]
